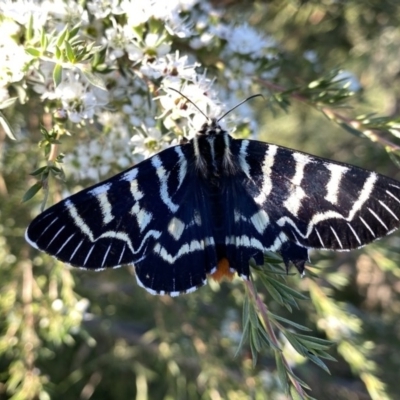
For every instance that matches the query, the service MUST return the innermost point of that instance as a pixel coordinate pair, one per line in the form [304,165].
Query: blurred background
[72,334]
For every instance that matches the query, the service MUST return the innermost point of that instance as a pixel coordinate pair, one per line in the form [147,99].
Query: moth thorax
[213,154]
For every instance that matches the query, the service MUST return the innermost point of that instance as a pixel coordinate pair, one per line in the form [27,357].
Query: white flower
[93,160]
[147,142]
[138,12]
[42,80]
[68,12]
[140,112]
[246,40]
[153,46]
[22,11]
[13,61]
[173,66]
[119,39]
[177,107]
[178,26]
[78,100]
[202,41]
[102,8]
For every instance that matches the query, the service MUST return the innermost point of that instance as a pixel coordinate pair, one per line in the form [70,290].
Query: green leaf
[38,171]
[255,340]
[92,78]
[29,32]
[6,126]
[265,337]
[316,341]
[253,317]
[33,52]
[61,36]
[58,53]
[282,371]
[288,322]
[74,31]
[57,74]
[244,338]
[288,290]
[351,130]
[271,289]
[32,191]
[70,52]
[43,40]
[295,343]
[316,360]
[297,379]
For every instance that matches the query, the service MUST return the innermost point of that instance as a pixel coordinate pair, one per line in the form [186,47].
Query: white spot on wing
[47,227]
[227,157]
[100,189]
[282,238]
[187,248]
[54,237]
[78,221]
[260,221]
[355,234]
[301,161]
[293,202]
[364,195]
[100,193]
[163,178]
[88,255]
[244,241]
[388,209]
[378,218]
[65,243]
[76,249]
[143,217]
[269,160]
[297,194]
[176,228]
[130,175]
[392,195]
[134,187]
[319,217]
[182,165]
[122,254]
[105,256]
[319,238]
[242,158]
[333,186]
[336,236]
[197,218]
[367,226]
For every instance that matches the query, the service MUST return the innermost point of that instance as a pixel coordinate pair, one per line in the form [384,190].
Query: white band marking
[333,186]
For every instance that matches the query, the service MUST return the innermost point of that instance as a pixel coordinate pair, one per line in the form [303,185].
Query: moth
[215,202]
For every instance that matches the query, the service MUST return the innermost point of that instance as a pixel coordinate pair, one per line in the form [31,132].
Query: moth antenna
[237,105]
[190,101]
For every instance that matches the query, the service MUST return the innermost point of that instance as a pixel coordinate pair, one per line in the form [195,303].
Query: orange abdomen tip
[222,271]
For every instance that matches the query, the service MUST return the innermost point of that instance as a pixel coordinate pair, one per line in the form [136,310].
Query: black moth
[214,201]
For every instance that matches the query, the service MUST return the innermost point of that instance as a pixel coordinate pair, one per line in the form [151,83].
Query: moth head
[211,128]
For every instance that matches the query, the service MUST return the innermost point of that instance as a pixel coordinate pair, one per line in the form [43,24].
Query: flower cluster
[109,67]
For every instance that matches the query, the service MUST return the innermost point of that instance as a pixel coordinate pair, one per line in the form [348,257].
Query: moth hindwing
[180,214]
